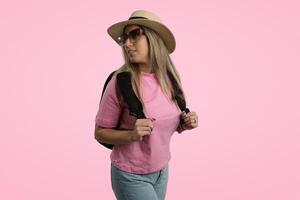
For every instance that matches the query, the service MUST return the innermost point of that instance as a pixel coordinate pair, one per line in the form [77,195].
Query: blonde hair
[161,63]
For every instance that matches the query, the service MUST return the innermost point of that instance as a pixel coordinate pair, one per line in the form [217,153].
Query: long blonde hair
[161,63]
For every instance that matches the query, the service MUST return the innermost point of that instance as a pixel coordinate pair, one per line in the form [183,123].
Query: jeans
[129,186]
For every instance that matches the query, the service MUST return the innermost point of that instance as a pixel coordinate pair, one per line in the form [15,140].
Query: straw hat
[147,19]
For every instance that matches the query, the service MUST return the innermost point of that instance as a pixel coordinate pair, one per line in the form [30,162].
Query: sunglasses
[133,36]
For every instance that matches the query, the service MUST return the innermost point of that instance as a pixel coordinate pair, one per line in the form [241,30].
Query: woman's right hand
[142,127]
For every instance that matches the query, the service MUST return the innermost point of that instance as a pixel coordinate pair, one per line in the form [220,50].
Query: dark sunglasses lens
[134,34]
[122,39]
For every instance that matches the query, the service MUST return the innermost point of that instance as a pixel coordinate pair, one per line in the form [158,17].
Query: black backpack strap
[125,86]
[129,96]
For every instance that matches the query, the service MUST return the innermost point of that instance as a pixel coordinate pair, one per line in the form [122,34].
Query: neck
[145,67]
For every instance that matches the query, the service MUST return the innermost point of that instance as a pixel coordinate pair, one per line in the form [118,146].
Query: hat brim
[167,36]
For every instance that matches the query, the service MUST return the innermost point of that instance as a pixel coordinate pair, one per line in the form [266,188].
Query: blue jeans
[128,186]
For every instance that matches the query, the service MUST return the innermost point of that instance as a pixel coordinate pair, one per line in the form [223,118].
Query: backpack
[134,105]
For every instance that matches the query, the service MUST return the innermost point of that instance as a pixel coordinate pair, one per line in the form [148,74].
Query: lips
[130,53]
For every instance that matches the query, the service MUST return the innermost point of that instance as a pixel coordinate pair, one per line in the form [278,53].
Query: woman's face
[136,47]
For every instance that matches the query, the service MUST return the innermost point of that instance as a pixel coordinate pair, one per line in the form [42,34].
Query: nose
[128,43]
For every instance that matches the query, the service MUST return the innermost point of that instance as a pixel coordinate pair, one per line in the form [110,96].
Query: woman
[139,159]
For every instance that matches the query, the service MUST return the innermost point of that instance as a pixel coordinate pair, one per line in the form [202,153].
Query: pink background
[239,64]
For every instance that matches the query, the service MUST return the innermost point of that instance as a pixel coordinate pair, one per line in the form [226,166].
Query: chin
[134,61]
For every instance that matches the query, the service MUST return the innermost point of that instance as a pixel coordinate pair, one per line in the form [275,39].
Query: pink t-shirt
[153,152]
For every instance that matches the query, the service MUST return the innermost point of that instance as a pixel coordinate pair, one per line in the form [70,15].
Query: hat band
[137,18]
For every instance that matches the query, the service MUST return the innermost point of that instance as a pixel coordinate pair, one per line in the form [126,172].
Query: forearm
[113,136]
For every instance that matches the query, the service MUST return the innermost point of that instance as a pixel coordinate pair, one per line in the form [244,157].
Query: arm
[113,136]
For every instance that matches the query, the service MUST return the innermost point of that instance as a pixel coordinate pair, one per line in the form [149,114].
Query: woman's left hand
[190,120]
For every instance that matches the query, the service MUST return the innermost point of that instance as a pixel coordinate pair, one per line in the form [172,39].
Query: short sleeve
[110,106]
